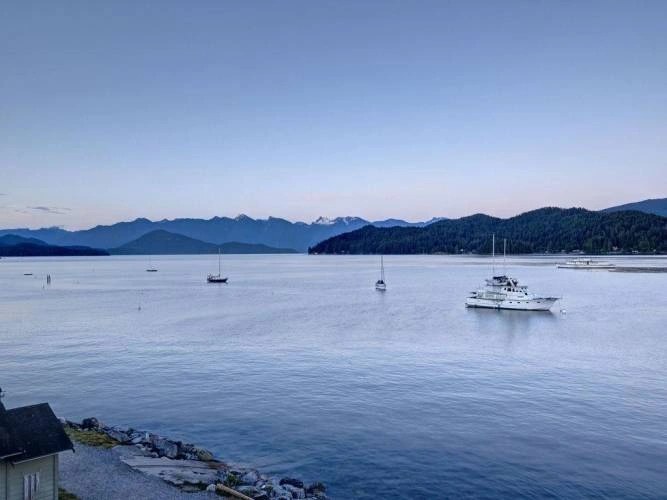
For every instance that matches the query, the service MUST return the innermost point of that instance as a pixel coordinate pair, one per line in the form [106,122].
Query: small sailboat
[381,285]
[150,269]
[216,278]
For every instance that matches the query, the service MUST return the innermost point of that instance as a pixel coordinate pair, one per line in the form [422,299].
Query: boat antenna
[493,253]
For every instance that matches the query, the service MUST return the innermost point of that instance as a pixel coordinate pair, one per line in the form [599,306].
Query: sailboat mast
[493,252]
[218,261]
[382,267]
[504,256]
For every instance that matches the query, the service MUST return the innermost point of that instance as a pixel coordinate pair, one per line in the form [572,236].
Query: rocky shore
[187,466]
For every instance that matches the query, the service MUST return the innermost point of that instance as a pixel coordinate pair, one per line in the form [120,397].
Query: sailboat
[504,292]
[150,269]
[216,278]
[380,284]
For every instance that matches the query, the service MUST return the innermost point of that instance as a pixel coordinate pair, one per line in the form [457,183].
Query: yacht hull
[536,304]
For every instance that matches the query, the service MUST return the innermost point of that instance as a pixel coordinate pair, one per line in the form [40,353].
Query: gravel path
[97,474]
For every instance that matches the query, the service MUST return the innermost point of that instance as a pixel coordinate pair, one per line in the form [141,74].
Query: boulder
[118,435]
[292,482]
[280,493]
[203,455]
[294,491]
[251,477]
[91,423]
[166,448]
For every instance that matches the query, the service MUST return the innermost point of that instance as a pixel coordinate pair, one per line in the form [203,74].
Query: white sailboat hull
[534,304]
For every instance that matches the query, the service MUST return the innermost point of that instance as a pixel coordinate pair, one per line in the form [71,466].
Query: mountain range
[16,246]
[162,242]
[545,230]
[273,232]
[657,206]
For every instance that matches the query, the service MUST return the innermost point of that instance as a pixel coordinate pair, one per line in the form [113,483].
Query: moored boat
[217,278]
[586,264]
[504,292]
[381,285]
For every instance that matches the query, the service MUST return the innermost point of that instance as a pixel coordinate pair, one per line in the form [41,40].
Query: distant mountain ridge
[161,242]
[12,245]
[656,206]
[273,232]
[545,230]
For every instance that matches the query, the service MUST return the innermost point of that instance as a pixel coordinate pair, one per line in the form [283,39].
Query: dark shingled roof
[31,432]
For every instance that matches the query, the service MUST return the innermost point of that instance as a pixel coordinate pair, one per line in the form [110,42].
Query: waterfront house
[30,439]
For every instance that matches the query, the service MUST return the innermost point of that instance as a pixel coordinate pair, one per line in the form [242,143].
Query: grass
[91,438]
[63,494]
[232,480]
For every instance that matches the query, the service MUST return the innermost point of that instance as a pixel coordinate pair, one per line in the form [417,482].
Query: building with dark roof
[30,439]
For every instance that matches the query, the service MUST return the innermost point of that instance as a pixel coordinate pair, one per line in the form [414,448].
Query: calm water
[299,367]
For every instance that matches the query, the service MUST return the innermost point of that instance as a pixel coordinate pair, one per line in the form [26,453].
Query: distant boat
[216,278]
[586,264]
[150,269]
[381,285]
[503,292]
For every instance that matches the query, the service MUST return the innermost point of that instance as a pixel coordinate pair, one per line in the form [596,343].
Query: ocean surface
[299,367]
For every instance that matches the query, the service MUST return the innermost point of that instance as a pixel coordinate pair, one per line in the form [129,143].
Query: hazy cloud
[51,210]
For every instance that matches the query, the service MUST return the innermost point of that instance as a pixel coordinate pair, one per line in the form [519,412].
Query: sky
[408,109]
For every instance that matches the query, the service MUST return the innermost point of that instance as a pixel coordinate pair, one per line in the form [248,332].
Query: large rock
[294,491]
[118,434]
[292,482]
[203,455]
[280,493]
[165,447]
[251,477]
[178,472]
[91,423]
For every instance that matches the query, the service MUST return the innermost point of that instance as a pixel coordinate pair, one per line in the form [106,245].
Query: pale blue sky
[411,109]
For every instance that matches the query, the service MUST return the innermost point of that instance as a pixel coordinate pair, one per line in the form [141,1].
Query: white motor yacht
[504,292]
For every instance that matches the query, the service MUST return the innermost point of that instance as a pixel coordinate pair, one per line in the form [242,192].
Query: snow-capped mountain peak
[324,221]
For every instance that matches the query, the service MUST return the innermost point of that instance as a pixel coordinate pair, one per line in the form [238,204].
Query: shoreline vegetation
[185,466]
[543,231]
